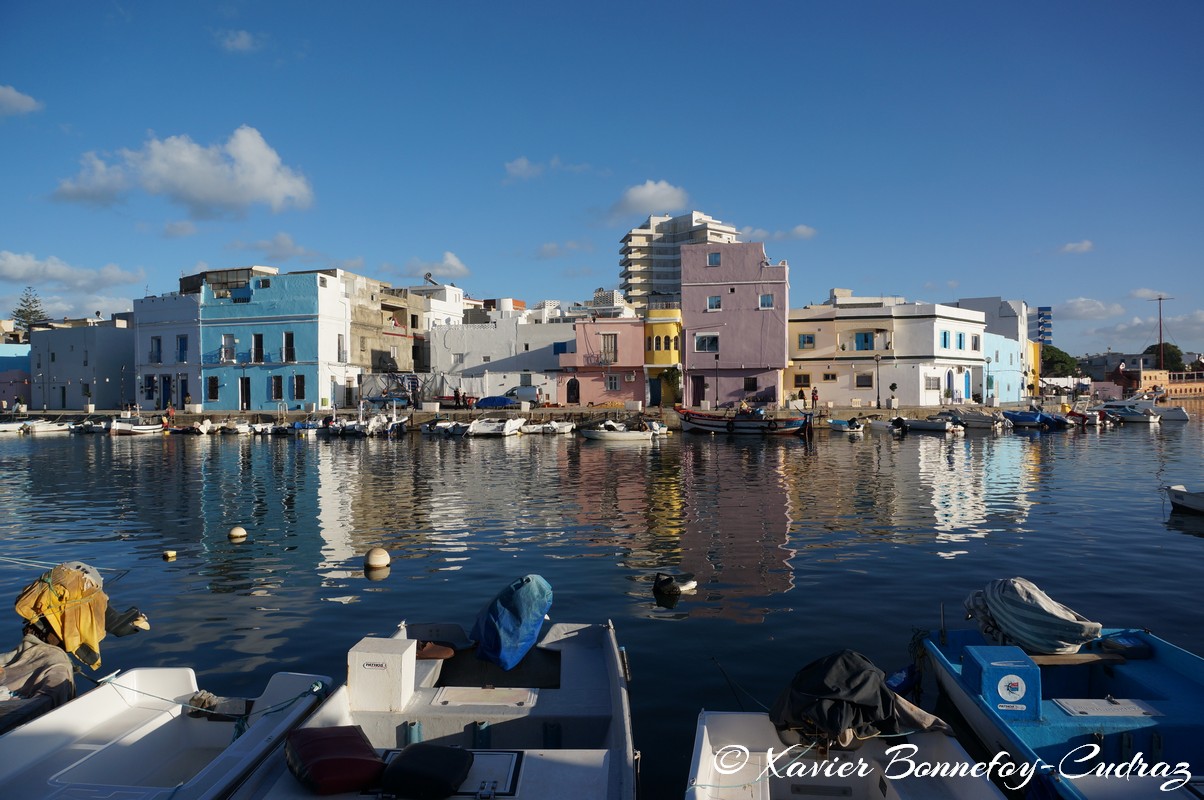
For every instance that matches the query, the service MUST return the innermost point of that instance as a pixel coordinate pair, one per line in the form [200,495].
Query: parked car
[497,401]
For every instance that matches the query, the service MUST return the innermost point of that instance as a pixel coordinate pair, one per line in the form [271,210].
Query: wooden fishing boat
[1117,716]
[751,423]
[139,736]
[850,425]
[134,426]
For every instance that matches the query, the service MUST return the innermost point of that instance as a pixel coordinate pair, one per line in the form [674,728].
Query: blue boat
[1036,419]
[1121,716]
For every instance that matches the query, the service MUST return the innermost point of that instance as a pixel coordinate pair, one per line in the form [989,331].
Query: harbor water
[799,547]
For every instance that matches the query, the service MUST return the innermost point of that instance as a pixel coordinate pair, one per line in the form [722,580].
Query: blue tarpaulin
[508,627]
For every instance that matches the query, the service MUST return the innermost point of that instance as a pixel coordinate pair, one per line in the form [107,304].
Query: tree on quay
[1172,356]
[29,310]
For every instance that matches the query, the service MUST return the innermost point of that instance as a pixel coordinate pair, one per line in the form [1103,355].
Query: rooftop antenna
[1160,298]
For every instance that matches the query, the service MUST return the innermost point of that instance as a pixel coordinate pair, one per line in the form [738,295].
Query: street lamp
[878,377]
[986,386]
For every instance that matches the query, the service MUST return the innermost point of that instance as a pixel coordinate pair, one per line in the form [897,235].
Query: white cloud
[208,181]
[280,247]
[1087,308]
[751,234]
[13,102]
[238,41]
[1137,334]
[651,197]
[521,168]
[1085,246]
[97,183]
[524,169]
[449,267]
[178,230]
[549,250]
[1147,294]
[26,269]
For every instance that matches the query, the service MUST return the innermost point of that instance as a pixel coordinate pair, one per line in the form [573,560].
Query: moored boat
[756,422]
[518,710]
[833,732]
[495,426]
[1034,418]
[1183,500]
[1093,712]
[850,425]
[1153,402]
[134,426]
[151,734]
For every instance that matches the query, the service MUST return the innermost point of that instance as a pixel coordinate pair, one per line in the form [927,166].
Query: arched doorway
[573,392]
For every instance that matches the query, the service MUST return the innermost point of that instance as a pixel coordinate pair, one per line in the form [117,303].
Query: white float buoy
[238,533]
[376,558]
[169,555]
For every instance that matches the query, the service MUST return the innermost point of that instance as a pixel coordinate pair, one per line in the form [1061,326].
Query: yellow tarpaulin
[72,603]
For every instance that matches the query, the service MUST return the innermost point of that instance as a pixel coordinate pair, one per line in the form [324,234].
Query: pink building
[607,364]
[734,306]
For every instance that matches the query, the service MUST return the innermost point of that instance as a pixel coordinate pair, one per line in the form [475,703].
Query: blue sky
[1045,151]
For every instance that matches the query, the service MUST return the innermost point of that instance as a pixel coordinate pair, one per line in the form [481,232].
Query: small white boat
[797,750]
[552,427]
[970,418]
[555,724]
[45,426]
[1147,401]
[850,425]
[141,735]
[134,426]
[12,426]
[437,426]
[235,427]
[90,426]
[1183,500]
[1135,414]
[891,425]
[495,426]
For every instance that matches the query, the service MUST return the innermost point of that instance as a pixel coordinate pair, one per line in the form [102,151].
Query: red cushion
[333,760]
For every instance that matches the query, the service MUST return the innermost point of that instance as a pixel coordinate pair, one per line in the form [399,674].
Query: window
[485,359]
[932,382]
[363,343]
[864,380]
[612,383]
[299,387]
[182,349]
[706,343]
[974,343]
[713,259]
[829,377]
[227,354]
[156,351]
[212,386]
[277,387]
[945,339]
[610,347]
[413,320]
[802,380]
[257,348]
[290,351]
[766,301]
[864,340]
[676,343]
[806,341]
[322,281]
[526,347]
[342,348]
[750,384]
[961,341]
[648,345]
[265,283]
[658,342]
[559,347]
[714,303]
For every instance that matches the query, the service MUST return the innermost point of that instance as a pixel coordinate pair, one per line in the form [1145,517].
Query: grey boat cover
[843,697]
[1014,611]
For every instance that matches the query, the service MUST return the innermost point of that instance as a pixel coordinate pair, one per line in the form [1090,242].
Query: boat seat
[1070,659]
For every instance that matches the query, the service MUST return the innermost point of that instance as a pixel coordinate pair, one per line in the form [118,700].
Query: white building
[81,365]
[852,350]
[650,258]
[1006,352]
[488,359]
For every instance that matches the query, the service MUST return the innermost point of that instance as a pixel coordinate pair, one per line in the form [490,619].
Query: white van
[526,394]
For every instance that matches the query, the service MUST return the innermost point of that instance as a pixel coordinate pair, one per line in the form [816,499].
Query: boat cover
[508,627]
[70,599]
[1014,611]
[843,697]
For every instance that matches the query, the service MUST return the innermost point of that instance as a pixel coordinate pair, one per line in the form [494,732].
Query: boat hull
[1185,501]
[743,424]
[1051,709]
[602,435]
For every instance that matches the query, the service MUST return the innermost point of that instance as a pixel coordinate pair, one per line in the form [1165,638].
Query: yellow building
[662,352]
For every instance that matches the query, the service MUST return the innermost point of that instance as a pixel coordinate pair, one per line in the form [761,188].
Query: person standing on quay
[814,397]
